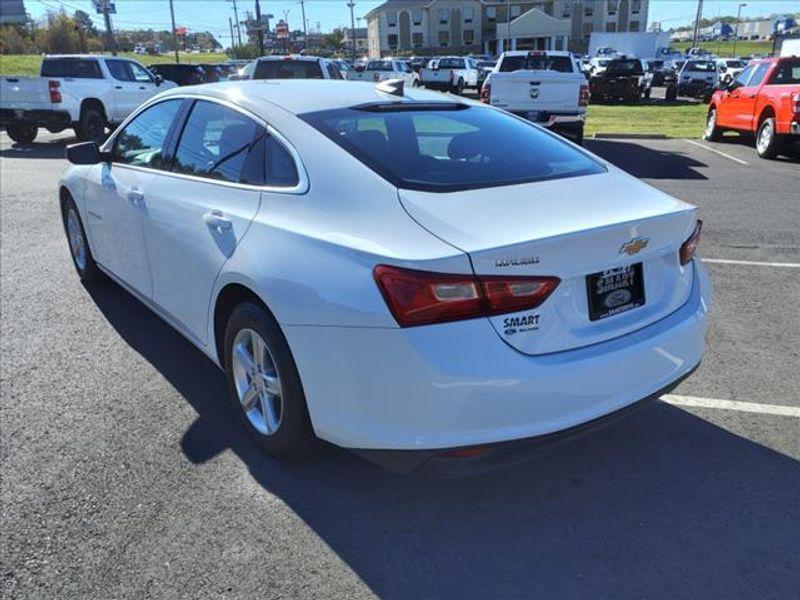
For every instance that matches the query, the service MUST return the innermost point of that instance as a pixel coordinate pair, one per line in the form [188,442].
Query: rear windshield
[624,67]
[380,65]
[288,69]
[78,68]
[735,64]
[451,63]
[537,62]
[787,73]
[450,147]
[702,66]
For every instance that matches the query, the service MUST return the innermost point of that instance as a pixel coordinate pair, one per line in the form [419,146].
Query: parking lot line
[715,151]
[751,407]
[750,263]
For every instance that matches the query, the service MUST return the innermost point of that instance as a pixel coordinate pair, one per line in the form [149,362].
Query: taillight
[421,298]
[55,94]
[583,98]
[689,247]
[486,93]
[796,102]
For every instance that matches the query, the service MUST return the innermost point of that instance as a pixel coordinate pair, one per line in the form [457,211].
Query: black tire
[22,133]
[578,137]
[712,133]
[459,87]
[768,142]
[92,126]
[671,94]
[647,93]
[85,265]
[293,433]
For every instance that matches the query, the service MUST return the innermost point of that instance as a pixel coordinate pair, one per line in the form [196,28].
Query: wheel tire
[92,126]
[22,133]
[459,87]
[415,83]
[712,133]
[79,250]
[768,143]
[647,93]
[293,428]
[671,94]
[578,137]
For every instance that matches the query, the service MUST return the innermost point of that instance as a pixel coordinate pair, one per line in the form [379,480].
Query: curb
[630,136]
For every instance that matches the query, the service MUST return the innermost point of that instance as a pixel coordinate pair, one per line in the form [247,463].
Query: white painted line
[715,151]
[750,263]
[751,407]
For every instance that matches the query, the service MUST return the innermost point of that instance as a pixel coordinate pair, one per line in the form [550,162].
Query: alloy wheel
[764,137]
[258,384]
[77,245]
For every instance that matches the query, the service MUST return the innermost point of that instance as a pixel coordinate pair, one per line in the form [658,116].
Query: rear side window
[77,68]
[142,141]
[288,69]
[787,73]
[624,67]
[537,62]
[451,148]
[215,142]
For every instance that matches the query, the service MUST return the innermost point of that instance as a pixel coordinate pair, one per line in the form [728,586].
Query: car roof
[300,96]
[539,52]
[288,57]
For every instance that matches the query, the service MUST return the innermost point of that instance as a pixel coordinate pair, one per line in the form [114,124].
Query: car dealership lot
[124,474]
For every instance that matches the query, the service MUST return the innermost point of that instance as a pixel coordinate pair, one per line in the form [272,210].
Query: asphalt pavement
[125,476]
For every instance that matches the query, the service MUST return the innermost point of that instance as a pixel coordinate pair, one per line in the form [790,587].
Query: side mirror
[731,85]
[86,153]
[159,80]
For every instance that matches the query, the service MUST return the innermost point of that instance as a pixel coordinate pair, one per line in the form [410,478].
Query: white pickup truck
[450,74]
[383,69]
[87,93]
[546,88]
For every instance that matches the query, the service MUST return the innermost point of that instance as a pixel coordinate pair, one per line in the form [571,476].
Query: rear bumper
[50,119]
[459,384]
[554,120]
[437,85]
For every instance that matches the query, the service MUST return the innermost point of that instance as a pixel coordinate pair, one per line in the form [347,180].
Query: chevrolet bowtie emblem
[635,246]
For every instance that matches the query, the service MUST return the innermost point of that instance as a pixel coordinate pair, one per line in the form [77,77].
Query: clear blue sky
[212,15]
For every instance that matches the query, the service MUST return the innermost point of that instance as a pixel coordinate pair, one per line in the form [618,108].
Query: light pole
[736,32]
[351,5]
[236,19]
[174,33]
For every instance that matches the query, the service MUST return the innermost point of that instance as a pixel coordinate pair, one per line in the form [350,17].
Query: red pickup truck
[764,99]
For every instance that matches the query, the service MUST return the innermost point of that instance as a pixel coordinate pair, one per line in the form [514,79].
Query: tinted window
[702,66]
[118,70]
[758,75]
[537,62]
[380,65]
[788,72]
[451,63]
[742,77]
[287,69]
[215,142]
[139,73]
[142,140]
[624,67]
[71,67]
[451,148]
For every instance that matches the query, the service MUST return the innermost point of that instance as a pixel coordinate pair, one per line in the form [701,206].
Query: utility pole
[174,35]
[233,41]
[351,5]
[236,19]
[112,43]
[260,30]
[736,31]
[305,28]
[697,22]
[508,25]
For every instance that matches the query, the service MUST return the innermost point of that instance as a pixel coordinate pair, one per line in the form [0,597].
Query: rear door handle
[217,220]
[751,95]
[135,197]
[141,87]
[117,87]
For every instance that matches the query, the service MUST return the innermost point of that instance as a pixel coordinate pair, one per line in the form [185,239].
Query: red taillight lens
[466,452]
[486,93]
[689,247]
[422,298]
[583,98]
[796,101]
[55,95]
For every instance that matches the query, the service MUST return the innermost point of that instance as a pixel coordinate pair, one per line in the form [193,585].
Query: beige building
[490,26]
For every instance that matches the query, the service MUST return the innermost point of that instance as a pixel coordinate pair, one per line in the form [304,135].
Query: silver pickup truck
[548,88]
[83,92]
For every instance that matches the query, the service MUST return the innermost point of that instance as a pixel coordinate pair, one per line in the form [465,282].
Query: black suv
[181,74]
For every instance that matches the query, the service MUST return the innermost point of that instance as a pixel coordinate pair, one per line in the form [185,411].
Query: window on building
[612,7]
[444,38]
[416,17]
[416,40]
[636,6]
[516,10]
[611,27]
[391,39]
[587,29]
[566,12]
[633,26]
[469,37]
[391,18]
[491,13]
[444,16]
[588,10]
[469,14]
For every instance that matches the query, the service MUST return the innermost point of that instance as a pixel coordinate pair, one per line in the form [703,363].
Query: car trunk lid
[543,91]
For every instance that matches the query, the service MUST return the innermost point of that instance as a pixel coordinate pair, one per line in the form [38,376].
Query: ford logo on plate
[617,298]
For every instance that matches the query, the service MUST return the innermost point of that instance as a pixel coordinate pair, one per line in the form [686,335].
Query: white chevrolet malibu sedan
[414,276]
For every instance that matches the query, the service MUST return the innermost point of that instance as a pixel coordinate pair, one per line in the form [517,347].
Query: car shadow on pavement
[646,162]
[790,154]
[51,149]
[662,504]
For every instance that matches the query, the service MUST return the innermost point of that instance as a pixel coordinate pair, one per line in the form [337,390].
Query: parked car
[626,79]
[419,62]
[83,92]
[449,328]
[214,73]
[450,74]
[485,66]
[598,64]
[384,69]
[764,99]
[698,79]
[545,87]
[181,74]
[728,69]
[663,73]
[295,66]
